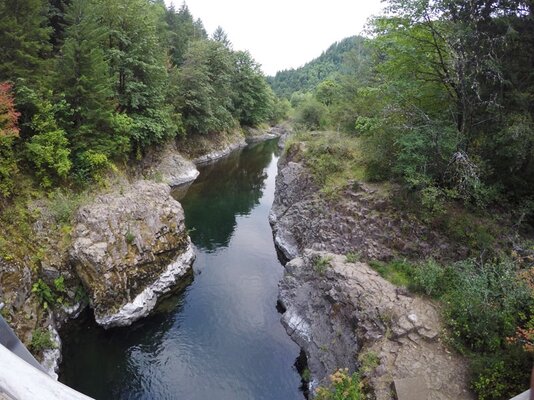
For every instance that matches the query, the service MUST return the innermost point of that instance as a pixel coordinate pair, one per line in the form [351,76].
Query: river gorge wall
[343,313]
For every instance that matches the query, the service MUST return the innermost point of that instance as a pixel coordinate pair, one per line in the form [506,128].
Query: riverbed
[220,337]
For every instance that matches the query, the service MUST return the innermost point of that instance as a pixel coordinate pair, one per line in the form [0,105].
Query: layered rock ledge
[129,247]
[339,311]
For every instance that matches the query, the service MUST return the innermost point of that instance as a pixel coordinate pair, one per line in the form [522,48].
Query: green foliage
[311,114]
[280,111]
[501,375]
[308,77]
[353,257]
[369,360]
[23,39]
[321,264]
[343,387]
[41,340]
[398,272]
[486,304]
[306,375]
[8,166]
[44,294]
[62,205]
[130,237]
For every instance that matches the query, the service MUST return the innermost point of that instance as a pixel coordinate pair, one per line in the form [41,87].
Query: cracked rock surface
[125,243]
[346,309]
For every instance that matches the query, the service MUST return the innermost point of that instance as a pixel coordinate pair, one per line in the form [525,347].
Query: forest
[437,99]
[85,85]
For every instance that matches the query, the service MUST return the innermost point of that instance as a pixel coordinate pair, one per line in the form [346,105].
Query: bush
[343,387]
[501,375]
[486,305]
[312,114]
[41,340]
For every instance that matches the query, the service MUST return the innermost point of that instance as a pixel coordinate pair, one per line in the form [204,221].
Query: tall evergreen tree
[137,62]
[23,39]
[83,78]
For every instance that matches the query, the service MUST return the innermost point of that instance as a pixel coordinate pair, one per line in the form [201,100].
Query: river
[220,337]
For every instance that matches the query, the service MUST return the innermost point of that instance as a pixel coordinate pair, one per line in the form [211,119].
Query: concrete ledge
[522,396]
[21,381]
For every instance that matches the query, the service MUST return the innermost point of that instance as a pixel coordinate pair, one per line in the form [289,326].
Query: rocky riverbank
[343,313]
[123,248]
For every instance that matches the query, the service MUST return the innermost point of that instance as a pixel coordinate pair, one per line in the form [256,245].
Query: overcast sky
[283,34]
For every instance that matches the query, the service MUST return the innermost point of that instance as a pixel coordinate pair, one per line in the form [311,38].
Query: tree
[220,36]
[182,30]
[253,98]
[205,82]
[137,64]
[48,149]
[9,131]
[24,39]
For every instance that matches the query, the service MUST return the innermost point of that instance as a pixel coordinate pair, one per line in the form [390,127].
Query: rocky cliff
[130,246]
[341,313]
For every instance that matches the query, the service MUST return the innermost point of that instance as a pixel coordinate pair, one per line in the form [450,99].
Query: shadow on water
[220,337]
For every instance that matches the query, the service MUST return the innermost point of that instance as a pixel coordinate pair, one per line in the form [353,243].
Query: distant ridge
[306,78]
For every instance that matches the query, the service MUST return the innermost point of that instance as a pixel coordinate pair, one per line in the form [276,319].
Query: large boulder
[129,247]
[339,311]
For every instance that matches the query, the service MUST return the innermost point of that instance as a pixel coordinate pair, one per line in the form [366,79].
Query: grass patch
[333,158]
[41,340]
[320,264]
[398,272]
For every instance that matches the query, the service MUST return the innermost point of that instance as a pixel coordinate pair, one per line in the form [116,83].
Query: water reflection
[224,190]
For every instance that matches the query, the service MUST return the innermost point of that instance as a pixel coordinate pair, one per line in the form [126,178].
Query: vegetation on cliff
[88,87]
[438,102]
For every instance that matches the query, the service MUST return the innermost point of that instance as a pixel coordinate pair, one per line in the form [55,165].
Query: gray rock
[217,154]
[129,247]
[169,166]
[336,313]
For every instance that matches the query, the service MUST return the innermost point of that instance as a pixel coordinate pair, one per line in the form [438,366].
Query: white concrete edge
[21,381]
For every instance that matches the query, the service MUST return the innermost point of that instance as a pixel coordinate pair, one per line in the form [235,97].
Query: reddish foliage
[8,115]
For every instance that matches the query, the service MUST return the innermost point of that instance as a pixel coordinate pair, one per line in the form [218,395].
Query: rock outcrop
[169,166]
[260,135]
[362,220]
[337,311]
[220,153]
[129,247]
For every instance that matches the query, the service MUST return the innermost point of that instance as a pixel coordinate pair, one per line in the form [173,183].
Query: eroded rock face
[337,310]
[362,220]
[129,247]
[169,166]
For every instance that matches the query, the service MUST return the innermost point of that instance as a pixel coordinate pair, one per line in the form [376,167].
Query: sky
[283,34]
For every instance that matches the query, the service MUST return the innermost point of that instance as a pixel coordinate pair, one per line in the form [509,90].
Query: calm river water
[220,337]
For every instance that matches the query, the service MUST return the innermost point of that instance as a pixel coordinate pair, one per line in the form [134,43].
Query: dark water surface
[219,338]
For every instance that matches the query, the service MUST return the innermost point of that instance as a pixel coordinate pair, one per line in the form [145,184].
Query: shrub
[320,264]
[311,114]
[486,305]
[501,375]
[43,293]
[41,340]
[352,256]
[343,387]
